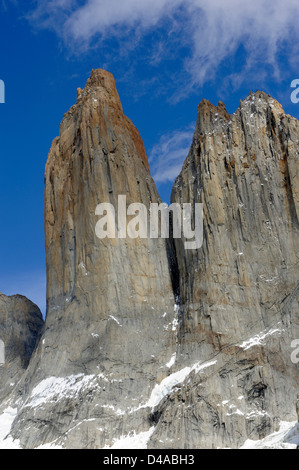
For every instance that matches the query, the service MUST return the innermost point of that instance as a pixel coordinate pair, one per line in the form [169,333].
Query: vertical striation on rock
[110,304]
[243,168]
[240,291]
[118,356]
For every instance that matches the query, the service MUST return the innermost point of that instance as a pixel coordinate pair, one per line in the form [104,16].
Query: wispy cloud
[168,155]
[100,16]
[212,29]
[262,27]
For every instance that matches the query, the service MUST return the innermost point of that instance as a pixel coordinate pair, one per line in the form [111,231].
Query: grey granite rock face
[244,169]
[110,304]
[117,355]
[240,291]
[21,325]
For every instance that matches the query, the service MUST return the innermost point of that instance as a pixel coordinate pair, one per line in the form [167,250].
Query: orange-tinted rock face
[98,156]
[116,359]
[110,302]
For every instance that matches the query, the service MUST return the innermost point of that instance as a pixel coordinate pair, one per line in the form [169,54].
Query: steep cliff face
[21,324]
[240,291]
[118,357]
[244,169]
[110,326]
[98,157]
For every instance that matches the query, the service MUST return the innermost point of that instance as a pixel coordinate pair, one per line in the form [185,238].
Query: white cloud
[104,17]
[168,155]
[100,16]
[213,29]
[261,26]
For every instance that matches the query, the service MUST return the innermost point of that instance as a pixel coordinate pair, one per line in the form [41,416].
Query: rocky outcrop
[240,291]
[110,326]
[21,324]
[121,354]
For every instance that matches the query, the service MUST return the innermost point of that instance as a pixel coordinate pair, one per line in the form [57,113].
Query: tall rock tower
[110,304]
[116,359]
[239,292]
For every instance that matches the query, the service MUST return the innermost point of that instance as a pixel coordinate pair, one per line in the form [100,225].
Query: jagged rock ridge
[240,292]
[110,304]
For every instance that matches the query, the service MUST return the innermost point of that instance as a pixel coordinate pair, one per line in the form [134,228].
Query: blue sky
[166,55]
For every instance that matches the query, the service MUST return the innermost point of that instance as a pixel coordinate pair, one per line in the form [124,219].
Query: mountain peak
[102,84]
[208,114]
[260,100]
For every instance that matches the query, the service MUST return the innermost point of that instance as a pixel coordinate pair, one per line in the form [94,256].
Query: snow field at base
[61,387]
[54,387]
[139,441]
[6,420]
[273,441]
[133,440]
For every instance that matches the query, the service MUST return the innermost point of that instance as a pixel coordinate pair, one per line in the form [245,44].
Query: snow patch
[273,441]
[292,437]
[259,338]
[115,319]
[172,361]
[111,407]
[133,440]
[235,412]
[58,388]
[83,267]
[6,420]
[163,388]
